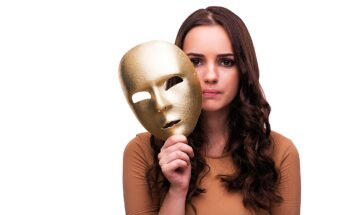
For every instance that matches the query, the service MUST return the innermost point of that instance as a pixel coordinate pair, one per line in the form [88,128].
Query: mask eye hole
[140,96]
[173,81]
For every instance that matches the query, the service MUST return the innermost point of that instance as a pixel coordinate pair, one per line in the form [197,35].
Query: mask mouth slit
[170,124]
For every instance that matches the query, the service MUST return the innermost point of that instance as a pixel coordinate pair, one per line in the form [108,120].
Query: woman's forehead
[207,38]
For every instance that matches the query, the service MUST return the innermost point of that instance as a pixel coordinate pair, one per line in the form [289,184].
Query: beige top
[216,200]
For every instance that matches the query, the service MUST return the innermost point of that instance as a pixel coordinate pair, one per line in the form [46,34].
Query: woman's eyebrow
[225,55]
[201,55]
[195,54]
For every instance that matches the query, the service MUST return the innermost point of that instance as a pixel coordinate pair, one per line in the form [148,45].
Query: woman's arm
[290,184]
[173,203]
[135,187]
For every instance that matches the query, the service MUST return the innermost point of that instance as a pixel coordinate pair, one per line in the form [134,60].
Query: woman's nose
[211,74]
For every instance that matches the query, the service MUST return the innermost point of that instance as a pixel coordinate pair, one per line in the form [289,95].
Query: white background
[64,121]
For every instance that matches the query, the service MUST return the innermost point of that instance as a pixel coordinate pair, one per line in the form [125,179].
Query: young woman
[232,163]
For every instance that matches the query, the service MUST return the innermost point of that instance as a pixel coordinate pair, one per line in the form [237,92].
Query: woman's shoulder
[139,147]
[282,148]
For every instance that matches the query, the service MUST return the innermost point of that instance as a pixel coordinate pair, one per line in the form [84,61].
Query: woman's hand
[174,160]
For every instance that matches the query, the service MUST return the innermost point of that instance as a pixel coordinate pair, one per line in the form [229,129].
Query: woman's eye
[196,61]
[173,81]
[227,62]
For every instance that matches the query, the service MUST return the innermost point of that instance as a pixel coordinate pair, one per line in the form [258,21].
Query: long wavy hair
[249,143]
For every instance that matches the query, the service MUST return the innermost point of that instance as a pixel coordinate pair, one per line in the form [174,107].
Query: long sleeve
[137,160]
[290,182]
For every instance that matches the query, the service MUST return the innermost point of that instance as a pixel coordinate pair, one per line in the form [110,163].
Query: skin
[210,50]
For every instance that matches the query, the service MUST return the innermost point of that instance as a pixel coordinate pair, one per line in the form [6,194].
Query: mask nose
[161,102]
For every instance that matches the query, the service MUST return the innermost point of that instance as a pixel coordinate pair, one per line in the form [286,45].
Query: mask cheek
[147,115]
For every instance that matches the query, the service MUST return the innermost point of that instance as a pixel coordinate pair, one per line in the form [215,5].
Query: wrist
[178,191]
[174,201]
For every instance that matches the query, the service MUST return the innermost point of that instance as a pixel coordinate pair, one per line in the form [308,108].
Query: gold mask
[162,88]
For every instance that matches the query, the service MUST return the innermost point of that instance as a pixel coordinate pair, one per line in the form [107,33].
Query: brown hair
[249,141]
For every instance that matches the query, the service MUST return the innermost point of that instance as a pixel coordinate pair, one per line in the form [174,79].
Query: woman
[232,163]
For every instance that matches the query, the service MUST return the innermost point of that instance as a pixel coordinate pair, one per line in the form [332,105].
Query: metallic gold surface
[164,75]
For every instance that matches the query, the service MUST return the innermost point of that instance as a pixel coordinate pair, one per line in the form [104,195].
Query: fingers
[176,143]
[174,139]
[175,155]
[174,160]
[173,166]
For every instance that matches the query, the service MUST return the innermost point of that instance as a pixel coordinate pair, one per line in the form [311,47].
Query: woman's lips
[210,93]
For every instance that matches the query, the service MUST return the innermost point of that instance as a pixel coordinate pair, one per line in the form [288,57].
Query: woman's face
[210,50]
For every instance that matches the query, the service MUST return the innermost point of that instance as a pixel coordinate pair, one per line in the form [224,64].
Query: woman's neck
[215,128]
